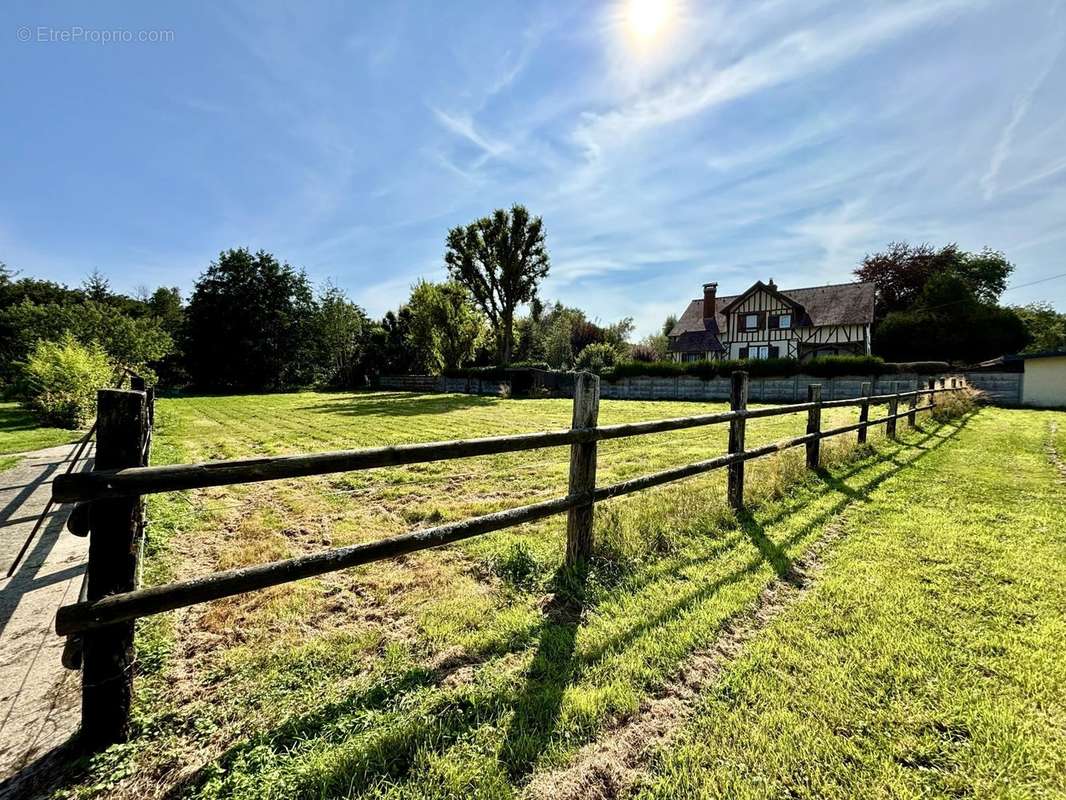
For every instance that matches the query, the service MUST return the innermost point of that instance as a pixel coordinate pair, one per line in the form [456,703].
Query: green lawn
[20,432]
[447,674]
[930,658]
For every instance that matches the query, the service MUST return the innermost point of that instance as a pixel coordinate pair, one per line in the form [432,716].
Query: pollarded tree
[500,259]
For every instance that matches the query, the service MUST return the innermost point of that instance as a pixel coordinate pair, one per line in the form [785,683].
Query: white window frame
[748,327]
[784,321]
[758,352]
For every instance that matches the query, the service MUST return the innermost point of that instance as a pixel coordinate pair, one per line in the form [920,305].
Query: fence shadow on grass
[397,404]
[536,704]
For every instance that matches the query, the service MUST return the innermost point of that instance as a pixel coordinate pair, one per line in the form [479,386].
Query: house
[767,322]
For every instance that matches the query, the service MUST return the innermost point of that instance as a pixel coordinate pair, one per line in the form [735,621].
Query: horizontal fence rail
[106,618]
[85,486]
[145,602]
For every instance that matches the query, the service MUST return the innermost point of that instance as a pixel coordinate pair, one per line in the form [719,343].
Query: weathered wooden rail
[111,508]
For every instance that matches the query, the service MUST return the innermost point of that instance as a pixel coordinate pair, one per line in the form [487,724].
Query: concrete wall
[1000,388]
[760,390]
[1044,385]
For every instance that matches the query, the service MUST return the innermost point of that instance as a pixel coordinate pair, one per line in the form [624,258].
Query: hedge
[822,367]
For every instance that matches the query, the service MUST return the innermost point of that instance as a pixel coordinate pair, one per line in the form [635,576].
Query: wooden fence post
[814,424]
[893,409]
[738,401]
[107,653]
[582,470]
[864,410]
[912,417]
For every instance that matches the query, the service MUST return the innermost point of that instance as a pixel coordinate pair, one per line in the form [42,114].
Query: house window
[692,357]
[757,351]
[784,321]
[751,322]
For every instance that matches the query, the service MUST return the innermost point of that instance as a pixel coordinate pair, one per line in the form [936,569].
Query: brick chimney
[771,285]
[709,292]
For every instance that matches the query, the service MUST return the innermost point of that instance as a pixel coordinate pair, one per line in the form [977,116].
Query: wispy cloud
[1005,143]
[462,125]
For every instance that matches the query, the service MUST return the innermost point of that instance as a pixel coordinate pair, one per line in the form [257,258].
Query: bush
[62,379]
[596,358]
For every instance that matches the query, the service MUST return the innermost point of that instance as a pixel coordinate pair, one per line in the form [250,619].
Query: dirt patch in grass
[614,765]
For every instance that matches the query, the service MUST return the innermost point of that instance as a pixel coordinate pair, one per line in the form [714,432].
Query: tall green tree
[445,324]
[343,331]
[1045,325]
[501,259]
[900,273]
[949,322]
[250,324]
[390,350]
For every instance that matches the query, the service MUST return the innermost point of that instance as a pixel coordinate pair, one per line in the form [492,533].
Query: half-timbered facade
[767,322]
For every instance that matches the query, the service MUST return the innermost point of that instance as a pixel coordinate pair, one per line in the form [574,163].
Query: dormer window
[751,322]
[782,321]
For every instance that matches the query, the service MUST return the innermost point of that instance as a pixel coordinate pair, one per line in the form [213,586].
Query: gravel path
[39,698]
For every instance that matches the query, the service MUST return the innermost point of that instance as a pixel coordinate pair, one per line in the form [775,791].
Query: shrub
[643,352]
[62,379]
[596,358]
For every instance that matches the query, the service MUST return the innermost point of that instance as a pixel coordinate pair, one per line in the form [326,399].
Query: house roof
[1043,354]
[836,304]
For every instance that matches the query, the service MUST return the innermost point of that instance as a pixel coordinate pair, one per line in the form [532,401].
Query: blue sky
[728,141]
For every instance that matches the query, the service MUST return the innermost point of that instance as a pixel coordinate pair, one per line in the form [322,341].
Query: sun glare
[647,18]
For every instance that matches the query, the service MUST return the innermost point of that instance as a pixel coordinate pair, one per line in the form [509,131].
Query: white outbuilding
[1044,379]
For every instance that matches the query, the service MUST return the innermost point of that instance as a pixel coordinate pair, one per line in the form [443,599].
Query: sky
[665,144]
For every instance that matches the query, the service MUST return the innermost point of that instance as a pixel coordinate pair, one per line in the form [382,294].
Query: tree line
[254,322]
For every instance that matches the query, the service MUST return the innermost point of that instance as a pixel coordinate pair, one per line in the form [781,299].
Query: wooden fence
[111,507]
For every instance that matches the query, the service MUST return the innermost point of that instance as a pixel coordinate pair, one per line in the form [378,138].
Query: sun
[647,18]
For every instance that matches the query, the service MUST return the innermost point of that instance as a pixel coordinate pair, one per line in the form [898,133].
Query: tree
[651,348]
[668,324]
[390,351]
[501,259]
[96,286]
[1046,326]
[901,272]
[445,324]
[250,324]
[343,331]
[165,305]
[949,322]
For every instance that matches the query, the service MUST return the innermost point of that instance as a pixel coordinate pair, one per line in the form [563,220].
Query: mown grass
[20,432]
[447,673]
[929,660]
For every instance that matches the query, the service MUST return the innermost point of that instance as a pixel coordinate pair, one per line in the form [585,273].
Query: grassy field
[20,432]
[447,673]
[929,660]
